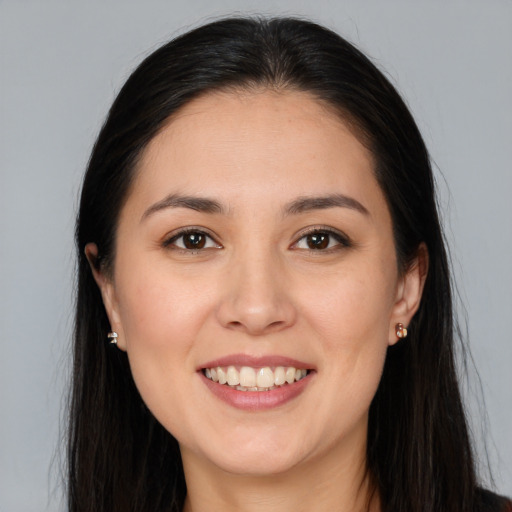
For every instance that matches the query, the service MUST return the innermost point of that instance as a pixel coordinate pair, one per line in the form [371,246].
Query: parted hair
[419,455]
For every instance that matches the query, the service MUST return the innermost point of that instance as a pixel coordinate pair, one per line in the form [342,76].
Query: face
[255,285]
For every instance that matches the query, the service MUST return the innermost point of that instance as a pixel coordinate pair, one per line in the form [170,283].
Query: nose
[256,299]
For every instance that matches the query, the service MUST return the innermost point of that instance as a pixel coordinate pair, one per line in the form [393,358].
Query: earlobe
[106,286]
[409,293]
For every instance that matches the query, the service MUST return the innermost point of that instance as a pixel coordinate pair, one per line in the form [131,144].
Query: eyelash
[171,241]
[342,240]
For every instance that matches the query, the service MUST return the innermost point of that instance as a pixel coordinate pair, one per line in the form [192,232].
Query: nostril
[275,325]
[255,317]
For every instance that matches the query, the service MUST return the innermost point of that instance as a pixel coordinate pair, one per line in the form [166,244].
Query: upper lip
[256,361]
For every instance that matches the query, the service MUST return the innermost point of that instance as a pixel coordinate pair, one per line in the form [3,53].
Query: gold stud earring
[112,336]
[401,331]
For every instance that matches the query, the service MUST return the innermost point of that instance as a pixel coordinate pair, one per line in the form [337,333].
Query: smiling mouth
[247,378]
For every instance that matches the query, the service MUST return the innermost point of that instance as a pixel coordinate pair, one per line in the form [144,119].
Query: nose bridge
[256,300]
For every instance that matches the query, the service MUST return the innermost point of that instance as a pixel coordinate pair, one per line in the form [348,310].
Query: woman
[258,237]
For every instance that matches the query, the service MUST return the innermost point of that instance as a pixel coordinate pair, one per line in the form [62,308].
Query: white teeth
[255,379]
[247,377]
[280,376]
[233,376]
[221,374]
[265,377]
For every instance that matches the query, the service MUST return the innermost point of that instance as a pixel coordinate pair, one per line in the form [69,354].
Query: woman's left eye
[192,241]
[321,241]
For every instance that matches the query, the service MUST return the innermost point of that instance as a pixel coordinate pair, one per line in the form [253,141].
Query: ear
[108,294]
[409,292]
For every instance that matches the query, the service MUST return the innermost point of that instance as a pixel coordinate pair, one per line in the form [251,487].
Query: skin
[257,288]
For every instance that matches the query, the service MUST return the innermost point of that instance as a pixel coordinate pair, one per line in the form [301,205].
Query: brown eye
[191,241]
[322,240]
[194,241]
[318,241]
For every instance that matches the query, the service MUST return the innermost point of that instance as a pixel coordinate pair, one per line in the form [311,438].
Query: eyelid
[342,239]
[171,237]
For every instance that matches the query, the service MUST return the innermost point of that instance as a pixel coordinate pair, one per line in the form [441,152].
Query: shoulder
[490,502]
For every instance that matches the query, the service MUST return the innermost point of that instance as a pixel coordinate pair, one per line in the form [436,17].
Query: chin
[257,464]
[257,456]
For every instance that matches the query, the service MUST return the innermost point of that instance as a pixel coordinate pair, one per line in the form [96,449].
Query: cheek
[160,309]
[352,320]
[160,316]
[352,308]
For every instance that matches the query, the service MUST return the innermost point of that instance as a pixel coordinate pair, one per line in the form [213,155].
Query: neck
[333,481]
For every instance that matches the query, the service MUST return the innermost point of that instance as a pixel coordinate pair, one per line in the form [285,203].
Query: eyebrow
[297,206]
[306,204]
[200,204]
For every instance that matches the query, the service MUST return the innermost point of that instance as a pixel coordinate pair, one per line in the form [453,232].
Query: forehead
[255,145]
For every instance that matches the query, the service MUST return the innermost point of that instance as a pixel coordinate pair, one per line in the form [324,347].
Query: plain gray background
[61,65]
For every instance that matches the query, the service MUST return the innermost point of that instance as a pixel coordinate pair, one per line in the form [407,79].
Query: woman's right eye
[191,241]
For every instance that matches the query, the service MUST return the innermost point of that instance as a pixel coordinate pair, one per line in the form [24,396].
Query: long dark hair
[419,453]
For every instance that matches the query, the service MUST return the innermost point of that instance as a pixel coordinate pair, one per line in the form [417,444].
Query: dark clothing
[490,502]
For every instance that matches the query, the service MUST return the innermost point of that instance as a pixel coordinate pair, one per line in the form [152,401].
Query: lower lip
[257,400]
